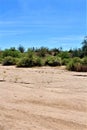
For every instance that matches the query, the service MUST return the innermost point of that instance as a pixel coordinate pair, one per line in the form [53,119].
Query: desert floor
[43,98]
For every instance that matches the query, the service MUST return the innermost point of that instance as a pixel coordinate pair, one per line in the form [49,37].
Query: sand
[45,98]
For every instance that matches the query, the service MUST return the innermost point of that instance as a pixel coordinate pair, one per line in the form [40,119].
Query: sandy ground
[42,99]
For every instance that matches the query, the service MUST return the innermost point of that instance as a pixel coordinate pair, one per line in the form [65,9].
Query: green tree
[84,47]
[42,51]
[21,49]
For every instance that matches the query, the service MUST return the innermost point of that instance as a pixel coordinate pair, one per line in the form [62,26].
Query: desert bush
[11,52]
[42,52]
[76,60]
[1,60]
[9,61]
[54,51]
[83,68]
[53,61]
[84,61]
[76,64]
[64,55]
[39,62]
[30,53]
[65,61]
[71,66]
[80,68]
[1,57]
[25,62]
[30,62]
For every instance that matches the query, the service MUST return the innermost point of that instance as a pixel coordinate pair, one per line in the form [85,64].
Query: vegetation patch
[74,60]
[53,61]
[9,61]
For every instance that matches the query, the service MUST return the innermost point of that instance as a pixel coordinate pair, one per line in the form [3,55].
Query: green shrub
[76,64]
[39,61]
[1,60]
[9,61]
[53,61]
[42,52]
[70,66]
[11,52]
[78,67]
[30,62]
[64,55]
[84,61]
[25,62]
[76,60]
[30,53]
[65,61]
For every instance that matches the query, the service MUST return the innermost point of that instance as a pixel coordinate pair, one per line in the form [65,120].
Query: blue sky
[36,23]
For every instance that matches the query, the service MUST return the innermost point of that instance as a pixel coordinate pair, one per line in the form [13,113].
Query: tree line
[73,59]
